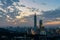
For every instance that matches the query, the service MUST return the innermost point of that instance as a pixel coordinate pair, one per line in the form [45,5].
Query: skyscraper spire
[35,20]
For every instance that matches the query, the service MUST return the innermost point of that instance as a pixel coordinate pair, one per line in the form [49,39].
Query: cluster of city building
[41,30]
[24,32]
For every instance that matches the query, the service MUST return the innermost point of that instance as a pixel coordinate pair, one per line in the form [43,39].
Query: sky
[21,12]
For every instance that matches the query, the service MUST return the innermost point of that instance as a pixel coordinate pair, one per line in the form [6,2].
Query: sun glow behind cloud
[14,13]
[52,23]
[26,11]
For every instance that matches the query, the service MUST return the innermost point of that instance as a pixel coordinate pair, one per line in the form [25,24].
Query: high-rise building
[40,23]
[42,29]
[35,21]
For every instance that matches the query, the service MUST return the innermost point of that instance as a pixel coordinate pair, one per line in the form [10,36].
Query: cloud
[7,3]
[34,1]
[0,3]
[10,8]
[15,14]
[15,0]
[43,4]
[52,14]
[0,16]
[7,11]
[51,17]
[3,10]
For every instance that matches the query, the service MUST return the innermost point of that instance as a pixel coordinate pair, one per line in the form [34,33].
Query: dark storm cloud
[52,13]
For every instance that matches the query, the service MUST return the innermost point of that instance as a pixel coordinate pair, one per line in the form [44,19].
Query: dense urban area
[30,33]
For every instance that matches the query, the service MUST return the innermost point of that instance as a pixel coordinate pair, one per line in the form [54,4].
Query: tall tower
[35,21]
[42,29]
[40,23]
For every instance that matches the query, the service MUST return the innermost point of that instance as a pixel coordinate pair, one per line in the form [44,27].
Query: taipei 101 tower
[35,21]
